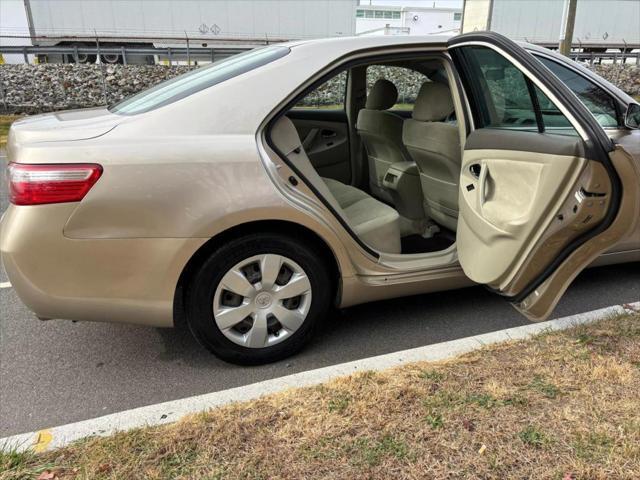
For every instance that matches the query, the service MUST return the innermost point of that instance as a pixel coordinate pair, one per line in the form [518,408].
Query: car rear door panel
[537,204]
[503,202]
[325,138]
[540,302]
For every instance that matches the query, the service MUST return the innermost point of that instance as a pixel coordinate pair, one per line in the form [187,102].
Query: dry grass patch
[561,406]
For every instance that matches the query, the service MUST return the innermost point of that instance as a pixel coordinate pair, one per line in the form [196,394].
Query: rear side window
[184,85]
[505,98]
[599,102]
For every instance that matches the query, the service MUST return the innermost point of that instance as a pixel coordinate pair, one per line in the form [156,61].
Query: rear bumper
[112,280]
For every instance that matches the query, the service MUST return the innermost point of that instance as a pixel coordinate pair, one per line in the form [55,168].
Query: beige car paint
[179,175]
[128,280]
[541,301]
[574,218]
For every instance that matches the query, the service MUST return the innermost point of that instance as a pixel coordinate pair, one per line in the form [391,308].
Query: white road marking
[168,412]
[5,284]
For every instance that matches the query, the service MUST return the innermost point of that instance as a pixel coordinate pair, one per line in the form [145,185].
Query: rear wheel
[258,299]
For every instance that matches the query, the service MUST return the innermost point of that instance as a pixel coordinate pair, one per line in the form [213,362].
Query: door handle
[475,169]
[325,133]
[482,182]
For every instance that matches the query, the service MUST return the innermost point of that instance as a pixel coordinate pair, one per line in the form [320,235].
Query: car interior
[381,144]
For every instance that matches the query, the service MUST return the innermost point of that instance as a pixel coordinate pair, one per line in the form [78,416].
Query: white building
[598,24]
[162,23]
[14,29]
[395,20]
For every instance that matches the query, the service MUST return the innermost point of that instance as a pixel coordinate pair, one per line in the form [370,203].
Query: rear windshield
[184,85]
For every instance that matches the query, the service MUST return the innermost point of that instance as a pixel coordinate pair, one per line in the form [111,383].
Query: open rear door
[543,190]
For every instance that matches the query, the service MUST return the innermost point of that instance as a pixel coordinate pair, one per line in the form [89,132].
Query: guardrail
[222,48]
[597,57]
[124,54]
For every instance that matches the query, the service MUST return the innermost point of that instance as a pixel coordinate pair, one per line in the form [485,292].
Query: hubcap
[262,300]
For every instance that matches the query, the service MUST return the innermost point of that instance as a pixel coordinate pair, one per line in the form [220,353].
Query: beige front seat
[435,147]
[376,224]
[381,134]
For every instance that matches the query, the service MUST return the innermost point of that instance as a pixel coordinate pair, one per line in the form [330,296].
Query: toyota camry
[248,197]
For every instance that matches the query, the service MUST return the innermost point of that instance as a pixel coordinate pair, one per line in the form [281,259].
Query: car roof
[371,41]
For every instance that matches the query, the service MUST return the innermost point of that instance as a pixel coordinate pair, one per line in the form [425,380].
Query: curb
[168,412]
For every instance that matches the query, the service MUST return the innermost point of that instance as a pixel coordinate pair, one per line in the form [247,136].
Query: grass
[5,124]
[533,436]
[562,405]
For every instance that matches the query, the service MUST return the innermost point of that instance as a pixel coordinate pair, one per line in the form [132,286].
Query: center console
[402,181]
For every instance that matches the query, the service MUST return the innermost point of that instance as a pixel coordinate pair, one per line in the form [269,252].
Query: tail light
[56,183]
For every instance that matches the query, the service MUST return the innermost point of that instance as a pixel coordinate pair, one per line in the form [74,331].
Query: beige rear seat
[377,224]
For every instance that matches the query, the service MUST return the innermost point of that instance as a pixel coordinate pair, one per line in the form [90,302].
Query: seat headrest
[383,95]
[433,103]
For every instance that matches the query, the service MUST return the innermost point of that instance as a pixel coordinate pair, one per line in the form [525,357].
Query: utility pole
[566,29]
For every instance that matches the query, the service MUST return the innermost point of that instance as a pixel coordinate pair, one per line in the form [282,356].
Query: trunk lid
[64,126]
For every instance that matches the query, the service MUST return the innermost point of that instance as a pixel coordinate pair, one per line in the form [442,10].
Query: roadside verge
[559,405]
[171,411]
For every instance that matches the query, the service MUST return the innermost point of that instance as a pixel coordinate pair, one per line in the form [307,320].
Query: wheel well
[268,226]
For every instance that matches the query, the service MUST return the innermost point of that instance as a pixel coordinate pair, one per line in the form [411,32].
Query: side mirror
[632,117]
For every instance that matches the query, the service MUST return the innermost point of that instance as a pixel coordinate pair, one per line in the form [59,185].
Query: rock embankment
[48,87]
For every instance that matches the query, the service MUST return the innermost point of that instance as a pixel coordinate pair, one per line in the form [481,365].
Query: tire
[111,59]
[208,300]
[83,58]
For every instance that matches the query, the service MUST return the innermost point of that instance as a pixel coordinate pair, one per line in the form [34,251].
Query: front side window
[599,102]
[196,80]
[328,96]
[505,98]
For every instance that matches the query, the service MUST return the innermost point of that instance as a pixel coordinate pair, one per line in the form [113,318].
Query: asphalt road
[58,372]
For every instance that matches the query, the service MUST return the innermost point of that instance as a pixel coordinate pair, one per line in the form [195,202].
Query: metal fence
[125,50]
[123,54]
[607,57]
[170,50]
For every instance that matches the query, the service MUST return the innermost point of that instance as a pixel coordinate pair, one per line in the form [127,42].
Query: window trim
[535,102]
[566,109]
[482,101]
[588,128]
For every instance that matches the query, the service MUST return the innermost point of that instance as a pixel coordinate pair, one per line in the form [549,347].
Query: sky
[416,3]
